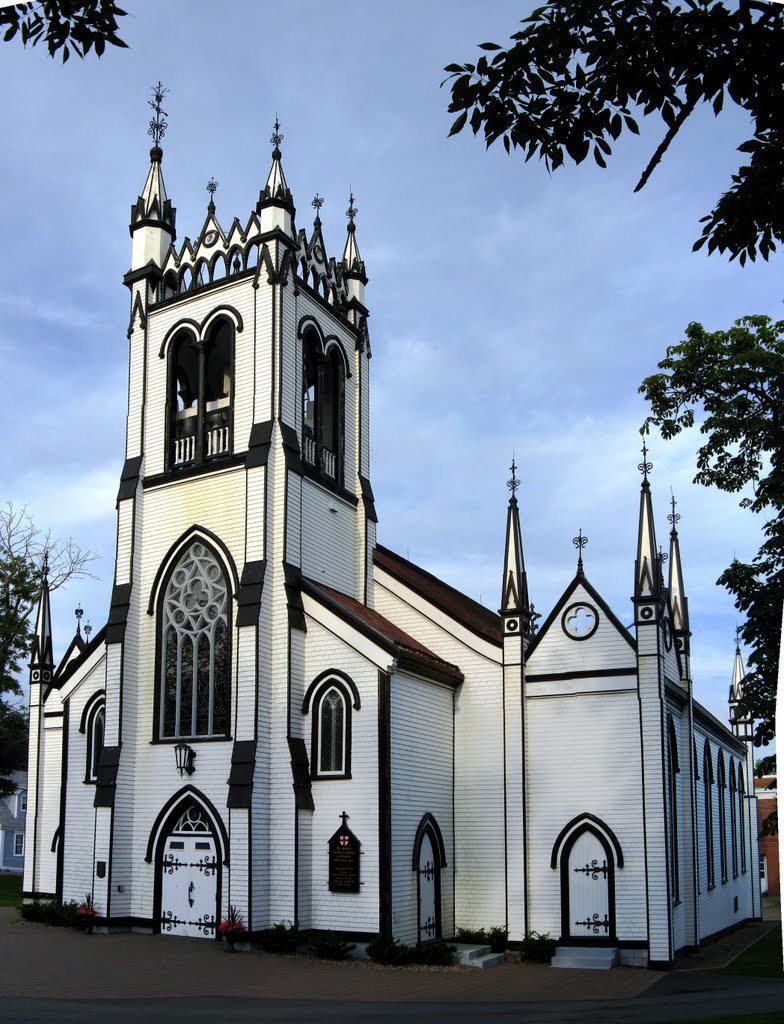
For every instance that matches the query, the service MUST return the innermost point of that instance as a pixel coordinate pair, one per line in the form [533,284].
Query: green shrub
[434,953]
[475,936]
[283,937]
[537,947]
[330,945]
[389,951]
[497,937]
[58,915]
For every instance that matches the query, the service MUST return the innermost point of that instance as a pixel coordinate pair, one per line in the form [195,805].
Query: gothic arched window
[707,783]
[322,407]
[200,396]
[95,729]
[331,737]
[672,790]
[733,821]
[721,782]
[742,819]
[194,648]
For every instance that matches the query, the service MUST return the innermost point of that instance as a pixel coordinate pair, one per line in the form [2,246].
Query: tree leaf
[489,46]
[458,124]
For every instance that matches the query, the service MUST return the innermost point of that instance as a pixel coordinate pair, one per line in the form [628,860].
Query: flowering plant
[87,909]
[233,925]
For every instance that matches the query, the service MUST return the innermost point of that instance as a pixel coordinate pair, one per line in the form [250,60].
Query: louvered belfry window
[195,648]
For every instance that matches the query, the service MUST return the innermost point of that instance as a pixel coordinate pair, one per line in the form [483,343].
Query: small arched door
[588,853]
[189,877]
[429,858]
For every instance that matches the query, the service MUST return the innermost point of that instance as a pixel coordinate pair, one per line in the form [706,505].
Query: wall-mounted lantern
[184,756]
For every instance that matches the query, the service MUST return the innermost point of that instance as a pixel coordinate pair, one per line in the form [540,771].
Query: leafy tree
[23,549]
[732,383]
[13,744]
[64,25]
[577,71]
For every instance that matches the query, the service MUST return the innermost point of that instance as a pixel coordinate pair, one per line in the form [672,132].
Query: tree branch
[684,112]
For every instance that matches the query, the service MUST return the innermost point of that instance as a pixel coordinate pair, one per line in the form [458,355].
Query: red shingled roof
[470,613]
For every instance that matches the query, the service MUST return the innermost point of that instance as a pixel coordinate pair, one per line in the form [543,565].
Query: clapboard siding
[421,715]
[598,772]
[328,546]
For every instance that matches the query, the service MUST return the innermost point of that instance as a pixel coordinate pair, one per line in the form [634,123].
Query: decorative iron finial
[737,639]
[514,483]
[645,467]
[352,211]
[318,202]
[87,630]
[579,542]
[674,517]
[277,136]
[212,188]
[533,615]
[158,125]
[45,564]
[78,613]
[662,556]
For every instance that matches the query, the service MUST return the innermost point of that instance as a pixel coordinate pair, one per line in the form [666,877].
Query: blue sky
[511,310]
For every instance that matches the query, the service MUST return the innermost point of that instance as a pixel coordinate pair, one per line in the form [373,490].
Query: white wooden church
[282,715]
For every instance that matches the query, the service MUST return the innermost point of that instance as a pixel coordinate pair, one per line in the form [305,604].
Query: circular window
[211,238]
[580,621]
[511,625]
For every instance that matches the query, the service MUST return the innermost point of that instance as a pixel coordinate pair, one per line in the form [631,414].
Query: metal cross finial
[317,203]
[674,517]
[277,136]
[352,211]
[737,639]
[158,125]
[579,542]
[514,483]
[212,188]
[45,564]
[78,613]
[645,467]
[344,818]
[87,630]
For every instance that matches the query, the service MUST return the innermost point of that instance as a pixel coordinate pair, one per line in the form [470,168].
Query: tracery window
[195,655]
[200,396]
[331,738]
[707,780]
[323,397]
[672,787]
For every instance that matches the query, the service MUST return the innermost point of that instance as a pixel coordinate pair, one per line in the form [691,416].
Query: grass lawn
[762,960]
[10,888]
[747,1018]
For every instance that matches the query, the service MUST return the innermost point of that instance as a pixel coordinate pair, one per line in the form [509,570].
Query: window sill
[328,483]
[167,741]
[711,887]
[330,778]
[186,472]
[676,903]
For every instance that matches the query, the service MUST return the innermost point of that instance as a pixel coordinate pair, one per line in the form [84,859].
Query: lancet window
[742,819]
[722,785]
[96,727]
[331,738]
[707,782]
[672,787]
[323,396]
[194,650]
[733,821]
[200,397]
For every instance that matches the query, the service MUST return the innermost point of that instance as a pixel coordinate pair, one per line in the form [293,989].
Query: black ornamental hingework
[344,853]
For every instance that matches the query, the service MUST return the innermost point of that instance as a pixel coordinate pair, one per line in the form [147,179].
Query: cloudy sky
[511,310]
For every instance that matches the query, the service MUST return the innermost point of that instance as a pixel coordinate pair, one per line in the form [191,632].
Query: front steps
[587,958]
[476,956]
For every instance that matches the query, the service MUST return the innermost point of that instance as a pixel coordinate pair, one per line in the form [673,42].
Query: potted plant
[232,928]
[86,914]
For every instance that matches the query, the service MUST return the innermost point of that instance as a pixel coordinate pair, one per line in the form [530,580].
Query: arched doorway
[429,858]
[588,854]
[188,846]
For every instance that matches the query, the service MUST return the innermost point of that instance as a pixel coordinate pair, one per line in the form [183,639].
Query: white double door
[189,886]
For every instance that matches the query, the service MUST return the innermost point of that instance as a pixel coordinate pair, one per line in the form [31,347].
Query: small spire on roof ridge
[645,467]
[579,542]
[317,203]
[212,188]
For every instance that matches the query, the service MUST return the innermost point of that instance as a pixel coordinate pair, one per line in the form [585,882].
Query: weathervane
[78,612]
[579,542]
[645,467]
[277,136]
[514,483]
[212,188]
[157,126]
[674,517]
[352,211]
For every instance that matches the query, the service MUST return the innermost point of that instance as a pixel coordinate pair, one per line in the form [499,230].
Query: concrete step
[590,958]
[476,956]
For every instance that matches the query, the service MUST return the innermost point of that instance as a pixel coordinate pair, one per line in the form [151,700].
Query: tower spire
[647,570]
[742,726]
[153,217]
[276,206]
[41,655]
[514,585]
[679,603]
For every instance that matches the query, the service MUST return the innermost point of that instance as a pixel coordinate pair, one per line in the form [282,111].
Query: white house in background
[13,811]
[283,715]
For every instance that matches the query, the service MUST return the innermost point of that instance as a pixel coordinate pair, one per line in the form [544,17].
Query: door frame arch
[560,856]
[428,826]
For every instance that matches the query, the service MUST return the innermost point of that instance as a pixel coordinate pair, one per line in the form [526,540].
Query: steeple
[153,217]
[743,727]
[353,266]
[41,655]
[514,585]
[276,206]
[647,568]
[679,603]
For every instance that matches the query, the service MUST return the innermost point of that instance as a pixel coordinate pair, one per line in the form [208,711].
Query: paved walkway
[55,963]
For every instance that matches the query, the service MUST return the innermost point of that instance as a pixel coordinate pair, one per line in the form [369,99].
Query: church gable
[581,637]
